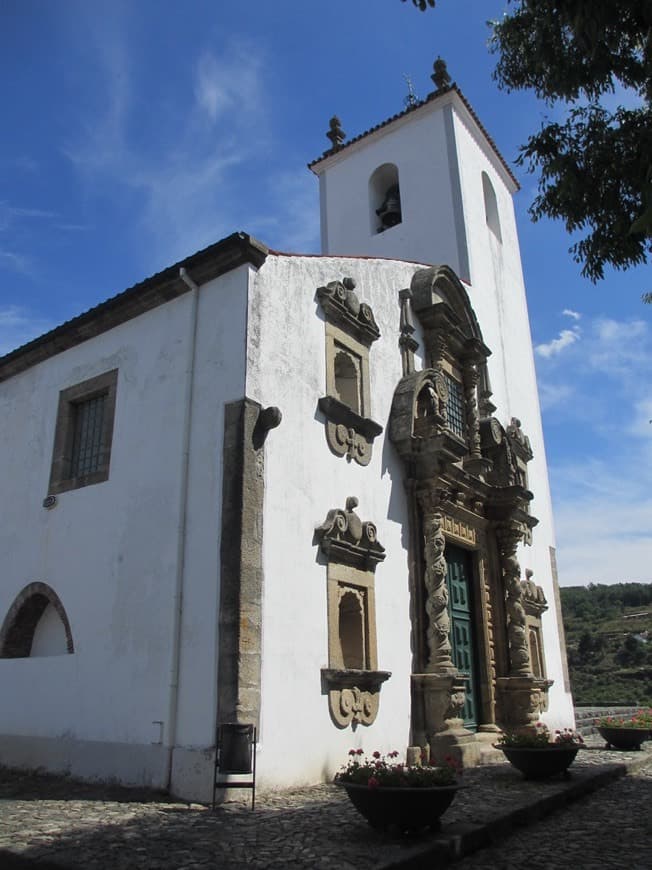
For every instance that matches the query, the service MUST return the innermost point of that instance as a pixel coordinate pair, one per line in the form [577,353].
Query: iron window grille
[87,448]
[455,407]
[83,433]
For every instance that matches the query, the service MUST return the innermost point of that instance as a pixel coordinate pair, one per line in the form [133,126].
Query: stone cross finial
[335,133]
[440,75]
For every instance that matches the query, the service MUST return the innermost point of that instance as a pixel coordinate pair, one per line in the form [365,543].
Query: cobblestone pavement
[76,825]
[610,828]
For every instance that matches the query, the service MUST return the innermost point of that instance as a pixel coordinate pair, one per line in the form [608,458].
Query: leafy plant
[380,771]
[540,738]
[642,719]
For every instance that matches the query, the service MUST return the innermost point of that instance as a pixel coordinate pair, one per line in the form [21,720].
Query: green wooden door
[458,577]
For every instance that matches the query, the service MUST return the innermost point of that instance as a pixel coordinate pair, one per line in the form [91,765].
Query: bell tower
[427,185]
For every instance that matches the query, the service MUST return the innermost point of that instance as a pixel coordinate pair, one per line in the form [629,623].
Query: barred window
[455,406]
[83,433]
[87,452]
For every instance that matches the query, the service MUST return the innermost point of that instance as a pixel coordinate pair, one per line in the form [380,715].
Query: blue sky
[135,133]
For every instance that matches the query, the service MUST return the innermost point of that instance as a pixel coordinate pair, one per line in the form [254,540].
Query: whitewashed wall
[286,366]
[110,551]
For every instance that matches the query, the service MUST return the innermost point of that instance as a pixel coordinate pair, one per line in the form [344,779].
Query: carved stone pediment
[343,307]
[345,538]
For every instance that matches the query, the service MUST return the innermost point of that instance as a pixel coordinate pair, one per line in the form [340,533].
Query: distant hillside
[609,642]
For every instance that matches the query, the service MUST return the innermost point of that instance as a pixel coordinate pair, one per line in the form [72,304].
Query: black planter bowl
[407,809]
[623,738]
[542,762]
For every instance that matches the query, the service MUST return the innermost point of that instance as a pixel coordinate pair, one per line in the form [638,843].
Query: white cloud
[601,394]
[18,326]
[552,395]
[229,83]
[568,312]
[10,214]
[619,348]
[603,519]
[292,221]
[557,345]
[185,196]
[16,262]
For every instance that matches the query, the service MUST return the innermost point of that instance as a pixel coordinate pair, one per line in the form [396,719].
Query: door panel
[458,577]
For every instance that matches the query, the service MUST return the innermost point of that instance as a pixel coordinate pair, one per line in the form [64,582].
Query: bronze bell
[390,210]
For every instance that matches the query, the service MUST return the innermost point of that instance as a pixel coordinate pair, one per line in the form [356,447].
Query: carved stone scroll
[521,700]
[353,696]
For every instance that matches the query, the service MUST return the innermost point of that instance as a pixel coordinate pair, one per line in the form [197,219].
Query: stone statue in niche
[431,404]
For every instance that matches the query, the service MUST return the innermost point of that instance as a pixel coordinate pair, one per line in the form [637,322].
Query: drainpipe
[175,665]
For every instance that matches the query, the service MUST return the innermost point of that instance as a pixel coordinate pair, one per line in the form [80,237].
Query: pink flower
[352,752]
[359,752]
[376,754]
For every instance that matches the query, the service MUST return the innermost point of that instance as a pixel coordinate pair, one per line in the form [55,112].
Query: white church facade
[304,492]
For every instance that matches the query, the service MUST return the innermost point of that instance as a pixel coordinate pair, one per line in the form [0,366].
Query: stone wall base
[125,763]
[458,743]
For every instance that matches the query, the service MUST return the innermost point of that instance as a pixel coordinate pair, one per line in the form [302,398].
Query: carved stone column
[438,347]
[438,629]
[471,378]
[508,536]
[407,342]
[474,462]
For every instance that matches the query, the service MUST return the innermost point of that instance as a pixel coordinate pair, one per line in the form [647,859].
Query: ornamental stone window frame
[22,619]
[61,476]
[352,552]
[350,330]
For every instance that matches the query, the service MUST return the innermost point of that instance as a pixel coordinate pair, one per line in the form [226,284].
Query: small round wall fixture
[49,501]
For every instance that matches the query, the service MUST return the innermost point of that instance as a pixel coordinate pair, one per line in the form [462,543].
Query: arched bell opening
[385,209]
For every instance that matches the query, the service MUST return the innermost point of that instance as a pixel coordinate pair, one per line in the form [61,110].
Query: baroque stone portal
[476,625]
